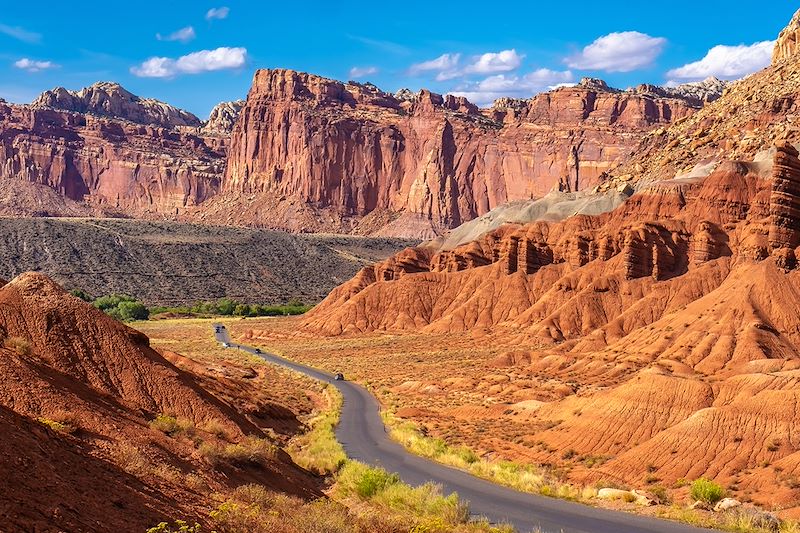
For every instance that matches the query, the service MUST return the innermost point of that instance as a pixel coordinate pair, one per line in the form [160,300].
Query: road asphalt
[364,437]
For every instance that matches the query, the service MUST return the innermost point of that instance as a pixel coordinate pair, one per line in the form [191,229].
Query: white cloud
[490,89]
[203,61]
[618,52]
[183,35]
[360,72]
[727,62]
[217,13]
[446,65]
[31,65]
[21,34]
[492,62]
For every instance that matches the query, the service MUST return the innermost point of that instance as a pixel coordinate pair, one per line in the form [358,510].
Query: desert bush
[171,425]
[57,426]
[179,527]
[661,494]
[363,481]
[251,450]
[215,427]
[254,509]
[131,460]
[424,502]
[18,344]
[706,491]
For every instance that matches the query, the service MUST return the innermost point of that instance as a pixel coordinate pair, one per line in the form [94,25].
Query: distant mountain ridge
[319,155]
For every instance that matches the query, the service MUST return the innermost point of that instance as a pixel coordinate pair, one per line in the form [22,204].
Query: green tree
[225,306]
[132,311]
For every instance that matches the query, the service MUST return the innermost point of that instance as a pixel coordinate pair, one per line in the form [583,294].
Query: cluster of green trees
[120,306]
[228,307]
[127,308]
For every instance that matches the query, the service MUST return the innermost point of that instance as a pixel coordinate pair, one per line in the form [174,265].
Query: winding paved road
[364,437]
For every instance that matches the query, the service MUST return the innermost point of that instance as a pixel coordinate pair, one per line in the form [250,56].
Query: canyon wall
[103,151]
[348,152]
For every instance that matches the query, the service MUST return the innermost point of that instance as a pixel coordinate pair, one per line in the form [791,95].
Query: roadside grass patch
[317,449]
[526,478]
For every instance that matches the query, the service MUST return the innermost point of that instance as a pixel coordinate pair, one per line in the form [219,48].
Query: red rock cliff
[107,165]
[313,153]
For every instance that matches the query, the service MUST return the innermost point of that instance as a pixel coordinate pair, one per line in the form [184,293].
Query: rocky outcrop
[347,150]
[222,118]
[786,45]
[116,167]
[668,231]
[784,203]
[110,99]
[695,93]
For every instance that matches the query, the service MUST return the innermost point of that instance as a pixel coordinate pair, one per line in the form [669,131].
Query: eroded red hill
[78,392]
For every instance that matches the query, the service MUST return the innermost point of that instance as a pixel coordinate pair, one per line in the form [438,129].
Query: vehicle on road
[258,351]
[339,376]
[226,345]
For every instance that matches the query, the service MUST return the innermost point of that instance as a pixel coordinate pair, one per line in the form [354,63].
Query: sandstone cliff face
[114,167]
[112,100]
[339,152]
[786,46]
[784,230]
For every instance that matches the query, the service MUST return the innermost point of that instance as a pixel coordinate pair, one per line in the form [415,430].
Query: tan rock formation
[786,45]
[110,99]
[784,231]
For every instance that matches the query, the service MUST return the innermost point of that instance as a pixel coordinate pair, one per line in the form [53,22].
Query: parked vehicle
[226,345]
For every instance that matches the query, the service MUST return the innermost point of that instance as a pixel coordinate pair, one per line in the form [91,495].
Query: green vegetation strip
[127,308]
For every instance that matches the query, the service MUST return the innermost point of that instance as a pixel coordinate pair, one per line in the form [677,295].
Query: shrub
[80,293]
[374,480]
[251,450]
[122,307]
[706,491]
[216,427]
[18,344]
[56,426]
[661,495]
[171,425]
[61,421]
[179,527]
[129,311]
[363,481]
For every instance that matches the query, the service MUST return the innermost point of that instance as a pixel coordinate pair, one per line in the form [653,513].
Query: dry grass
[19,345]
[317,449]
[171,425]
[250,451]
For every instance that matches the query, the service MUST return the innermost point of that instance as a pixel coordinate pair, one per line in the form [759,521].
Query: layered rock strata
[339,152]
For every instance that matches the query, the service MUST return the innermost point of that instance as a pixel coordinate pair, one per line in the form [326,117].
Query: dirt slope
[171,263]
[64,361]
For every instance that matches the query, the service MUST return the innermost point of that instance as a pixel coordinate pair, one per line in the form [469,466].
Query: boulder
[726,503]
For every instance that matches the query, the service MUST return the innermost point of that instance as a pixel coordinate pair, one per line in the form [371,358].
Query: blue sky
[195,54]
